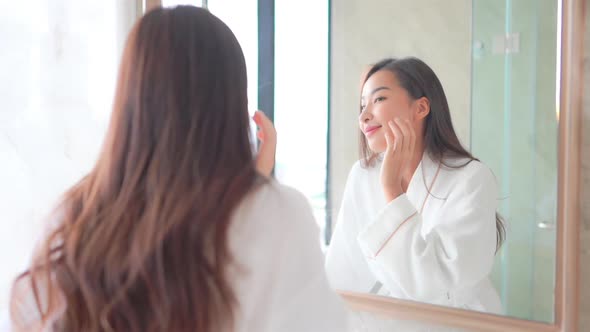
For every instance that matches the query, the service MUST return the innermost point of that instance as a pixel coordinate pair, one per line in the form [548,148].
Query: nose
[365,115]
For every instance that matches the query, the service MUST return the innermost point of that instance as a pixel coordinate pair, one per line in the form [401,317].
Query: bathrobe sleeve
[459,250]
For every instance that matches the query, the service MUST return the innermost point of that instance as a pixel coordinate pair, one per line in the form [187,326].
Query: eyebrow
[375,90]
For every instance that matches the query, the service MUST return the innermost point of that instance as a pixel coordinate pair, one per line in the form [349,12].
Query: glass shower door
[514,130]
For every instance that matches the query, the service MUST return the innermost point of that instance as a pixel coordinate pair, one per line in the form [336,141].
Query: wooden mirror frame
[568,214]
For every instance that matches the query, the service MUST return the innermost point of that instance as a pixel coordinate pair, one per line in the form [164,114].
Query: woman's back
[153,237]
[276,273]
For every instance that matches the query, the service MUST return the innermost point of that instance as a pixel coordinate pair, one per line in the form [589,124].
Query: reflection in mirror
[420,219]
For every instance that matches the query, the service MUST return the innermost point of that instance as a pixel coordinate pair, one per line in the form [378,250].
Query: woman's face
[382,100]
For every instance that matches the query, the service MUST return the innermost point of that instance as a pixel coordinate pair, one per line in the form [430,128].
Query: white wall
[365,31]
[58,67]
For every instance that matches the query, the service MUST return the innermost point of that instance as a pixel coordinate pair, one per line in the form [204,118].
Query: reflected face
[382,100]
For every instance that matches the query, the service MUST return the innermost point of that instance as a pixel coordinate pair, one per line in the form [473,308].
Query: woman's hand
[401,139]
[265,160]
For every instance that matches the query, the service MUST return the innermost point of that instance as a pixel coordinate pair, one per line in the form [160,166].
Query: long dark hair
[441,141]
[141,244]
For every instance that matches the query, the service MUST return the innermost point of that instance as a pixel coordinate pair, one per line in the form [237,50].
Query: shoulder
[274,207]
[478,172]
[361,167]
[470,175]
[273,222]
[277,197]
[360,171]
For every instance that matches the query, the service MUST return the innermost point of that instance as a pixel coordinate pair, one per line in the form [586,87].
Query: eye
[378,99]
[362,108]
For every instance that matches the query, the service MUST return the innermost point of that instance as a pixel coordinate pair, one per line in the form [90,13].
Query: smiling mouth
[371,130]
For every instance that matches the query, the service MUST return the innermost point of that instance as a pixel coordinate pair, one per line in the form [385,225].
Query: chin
[377,148]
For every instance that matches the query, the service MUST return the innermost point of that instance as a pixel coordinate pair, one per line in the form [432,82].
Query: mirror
[498,63]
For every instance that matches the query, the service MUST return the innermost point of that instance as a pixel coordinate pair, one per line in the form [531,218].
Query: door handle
[546,225]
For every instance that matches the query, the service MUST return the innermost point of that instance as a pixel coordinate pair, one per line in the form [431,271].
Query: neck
[414,162]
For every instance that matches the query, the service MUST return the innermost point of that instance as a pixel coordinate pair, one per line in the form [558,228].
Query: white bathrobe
[437,248]
[279,281]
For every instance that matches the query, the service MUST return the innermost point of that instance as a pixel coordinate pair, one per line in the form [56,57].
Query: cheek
[388,111]
[377,142]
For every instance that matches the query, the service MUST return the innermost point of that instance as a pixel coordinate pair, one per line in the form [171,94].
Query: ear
[422,108]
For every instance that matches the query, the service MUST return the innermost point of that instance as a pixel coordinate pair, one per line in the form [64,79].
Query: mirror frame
[568,213]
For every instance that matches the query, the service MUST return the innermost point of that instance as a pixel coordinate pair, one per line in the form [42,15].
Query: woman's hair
[441,141]
[142,240]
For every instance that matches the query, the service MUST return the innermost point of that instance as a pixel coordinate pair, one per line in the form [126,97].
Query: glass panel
[515,131]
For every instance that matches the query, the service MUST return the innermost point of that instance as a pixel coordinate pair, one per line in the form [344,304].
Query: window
[301,100]
[242,18]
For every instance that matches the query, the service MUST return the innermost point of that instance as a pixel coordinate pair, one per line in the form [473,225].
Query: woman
[177,227]
[418,217]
